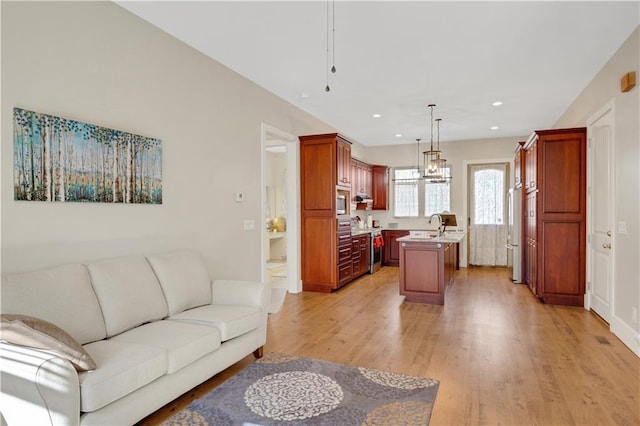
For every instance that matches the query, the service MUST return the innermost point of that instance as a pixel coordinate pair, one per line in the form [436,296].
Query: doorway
[487,214]
[280,236]
[601,205]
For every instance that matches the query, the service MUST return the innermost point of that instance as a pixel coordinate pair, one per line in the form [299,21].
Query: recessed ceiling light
[304,95]
[376,116]
[497,103]
[398,135]
[494,127]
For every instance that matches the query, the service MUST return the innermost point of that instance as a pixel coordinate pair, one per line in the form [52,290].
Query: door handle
[608,233]
[607,246]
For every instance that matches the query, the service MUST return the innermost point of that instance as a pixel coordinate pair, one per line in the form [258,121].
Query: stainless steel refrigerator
[514,249]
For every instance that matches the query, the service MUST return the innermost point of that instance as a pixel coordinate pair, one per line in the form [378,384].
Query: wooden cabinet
[391,249]
[380,187]
[326,261]
[372,181]
[555,225]
[530,237]
[426,269]
[518,165]
[343,162]
[360,253]
[531,165]
[360,179]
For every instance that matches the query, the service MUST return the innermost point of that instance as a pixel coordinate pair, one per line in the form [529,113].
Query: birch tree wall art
[57,159]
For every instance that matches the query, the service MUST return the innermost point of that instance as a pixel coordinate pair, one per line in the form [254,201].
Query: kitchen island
[428,265]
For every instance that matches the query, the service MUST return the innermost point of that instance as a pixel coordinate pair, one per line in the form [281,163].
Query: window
[412,197]
[437,196]
[488,193]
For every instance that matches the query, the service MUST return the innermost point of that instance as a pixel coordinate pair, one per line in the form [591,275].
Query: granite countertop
[358,231]
[426,237]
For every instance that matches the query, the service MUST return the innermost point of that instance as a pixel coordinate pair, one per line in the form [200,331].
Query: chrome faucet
[439,222]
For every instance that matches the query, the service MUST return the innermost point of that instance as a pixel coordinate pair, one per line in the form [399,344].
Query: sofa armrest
[37,387]
[243,293]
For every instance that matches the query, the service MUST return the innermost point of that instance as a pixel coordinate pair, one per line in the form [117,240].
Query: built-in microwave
[341,204]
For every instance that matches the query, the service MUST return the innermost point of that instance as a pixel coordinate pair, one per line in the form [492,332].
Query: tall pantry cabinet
[554,191]
[325,172]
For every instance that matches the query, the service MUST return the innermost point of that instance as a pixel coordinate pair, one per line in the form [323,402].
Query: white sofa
[156,326]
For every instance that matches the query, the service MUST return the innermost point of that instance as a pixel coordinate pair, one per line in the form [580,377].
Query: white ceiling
[395,58]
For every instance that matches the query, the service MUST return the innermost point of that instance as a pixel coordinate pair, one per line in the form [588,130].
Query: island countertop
[431,237]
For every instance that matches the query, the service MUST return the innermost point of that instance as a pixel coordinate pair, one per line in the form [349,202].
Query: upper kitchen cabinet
[530,165]
[380,187]
[518,165]
[325,163]
[343,161]
[360,179]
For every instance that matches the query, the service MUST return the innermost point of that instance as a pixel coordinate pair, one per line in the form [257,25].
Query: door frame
[270,136]
[609,107]
[464,252]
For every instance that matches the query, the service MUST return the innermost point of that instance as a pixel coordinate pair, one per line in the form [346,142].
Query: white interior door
[600,134]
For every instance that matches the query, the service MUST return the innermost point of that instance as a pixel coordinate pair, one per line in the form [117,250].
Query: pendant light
[435,166]
[333,41]
[432,156]
[416,174]
[441,162]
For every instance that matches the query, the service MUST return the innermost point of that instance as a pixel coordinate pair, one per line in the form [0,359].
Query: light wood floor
[501,356]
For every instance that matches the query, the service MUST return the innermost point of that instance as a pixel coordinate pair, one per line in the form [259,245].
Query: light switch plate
[239,197]
[249,225]
[622,227]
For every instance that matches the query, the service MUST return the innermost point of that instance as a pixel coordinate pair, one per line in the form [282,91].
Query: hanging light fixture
[441,162]
[333,40]
[416,174]
[435,166]
[432,156]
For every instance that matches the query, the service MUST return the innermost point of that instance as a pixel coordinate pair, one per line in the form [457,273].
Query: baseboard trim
[626,334]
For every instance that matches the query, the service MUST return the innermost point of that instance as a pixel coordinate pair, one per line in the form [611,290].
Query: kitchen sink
[422,235]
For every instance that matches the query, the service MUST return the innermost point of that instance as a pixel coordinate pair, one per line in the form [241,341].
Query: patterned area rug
[280,389]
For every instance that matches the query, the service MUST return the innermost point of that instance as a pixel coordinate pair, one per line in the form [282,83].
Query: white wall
[98,63]
[604,87]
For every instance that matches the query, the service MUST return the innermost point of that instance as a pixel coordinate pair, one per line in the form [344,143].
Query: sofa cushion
[25,330]
[62,295]
[184,279]
[232,320]
[122,368]
[128,291]
[183,342]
